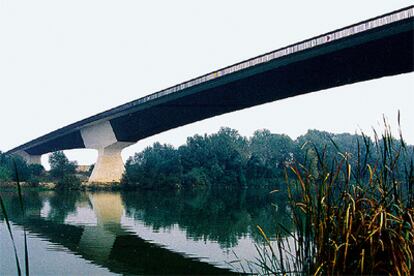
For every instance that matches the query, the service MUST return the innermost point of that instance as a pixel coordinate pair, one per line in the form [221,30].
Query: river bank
[52,186]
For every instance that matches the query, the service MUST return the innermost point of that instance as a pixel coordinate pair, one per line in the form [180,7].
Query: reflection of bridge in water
[371,49]
[109,245]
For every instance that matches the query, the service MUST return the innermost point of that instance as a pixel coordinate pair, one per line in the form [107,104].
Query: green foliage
[37,174]
[270,153]
[36,170]
[12,167]
[353,213]
[22,171]
[60,165]
[197,177]
[68,182]
[63,171]
[6,170]
[221,157]
[5,174]
[156,167]
[227,159]
[218,159]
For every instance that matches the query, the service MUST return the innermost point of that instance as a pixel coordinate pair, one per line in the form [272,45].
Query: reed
[9,228]
[348,219]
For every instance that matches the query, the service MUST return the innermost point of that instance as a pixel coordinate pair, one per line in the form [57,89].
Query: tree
[273,151]
[229,150]
[5,174]
[36,170]
[158,166]
[16,166]
[60,165]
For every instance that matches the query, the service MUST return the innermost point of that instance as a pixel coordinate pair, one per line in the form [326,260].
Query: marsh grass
[348,219]
[9,228]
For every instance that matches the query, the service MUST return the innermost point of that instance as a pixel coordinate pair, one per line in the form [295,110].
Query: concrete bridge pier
[30,159]
[109,167]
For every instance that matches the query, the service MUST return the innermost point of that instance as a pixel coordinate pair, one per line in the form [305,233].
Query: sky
[62,61]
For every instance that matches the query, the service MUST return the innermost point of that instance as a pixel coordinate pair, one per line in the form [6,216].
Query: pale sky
[62,61]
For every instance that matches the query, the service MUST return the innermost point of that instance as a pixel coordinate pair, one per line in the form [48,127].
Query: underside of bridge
[382,51]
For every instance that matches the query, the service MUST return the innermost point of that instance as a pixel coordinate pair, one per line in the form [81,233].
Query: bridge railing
[298,47]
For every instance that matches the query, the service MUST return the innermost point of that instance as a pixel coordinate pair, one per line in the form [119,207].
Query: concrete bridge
[378,47]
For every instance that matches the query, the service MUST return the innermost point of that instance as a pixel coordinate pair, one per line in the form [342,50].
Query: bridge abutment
[30,159]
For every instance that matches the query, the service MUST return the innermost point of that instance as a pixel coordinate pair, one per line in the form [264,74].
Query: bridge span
[377,47]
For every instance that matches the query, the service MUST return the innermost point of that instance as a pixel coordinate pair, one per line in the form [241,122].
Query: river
[140,232]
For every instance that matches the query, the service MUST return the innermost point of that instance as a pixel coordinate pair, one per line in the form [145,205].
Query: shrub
[68,182]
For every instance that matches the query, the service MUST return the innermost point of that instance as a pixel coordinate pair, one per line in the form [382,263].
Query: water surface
[145,232]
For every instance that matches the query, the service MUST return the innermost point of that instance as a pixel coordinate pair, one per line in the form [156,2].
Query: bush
[68,182]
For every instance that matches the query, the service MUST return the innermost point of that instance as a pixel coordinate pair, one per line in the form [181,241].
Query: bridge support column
[109,167]
[30,159]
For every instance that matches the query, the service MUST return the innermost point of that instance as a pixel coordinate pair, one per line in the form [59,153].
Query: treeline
[62,171]
[227,159]
[14,168]
[222,159]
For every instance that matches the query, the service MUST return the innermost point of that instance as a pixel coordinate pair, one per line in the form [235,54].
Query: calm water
[150,232]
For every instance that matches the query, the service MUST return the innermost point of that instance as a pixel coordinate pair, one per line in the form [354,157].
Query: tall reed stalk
[9,229]
[349,219]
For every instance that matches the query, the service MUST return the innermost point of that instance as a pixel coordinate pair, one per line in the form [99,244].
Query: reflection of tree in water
[32,202]
[219,215]
[104,245]
[62,204]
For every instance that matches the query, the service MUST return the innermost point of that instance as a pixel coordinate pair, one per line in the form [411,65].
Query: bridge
[375,48]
